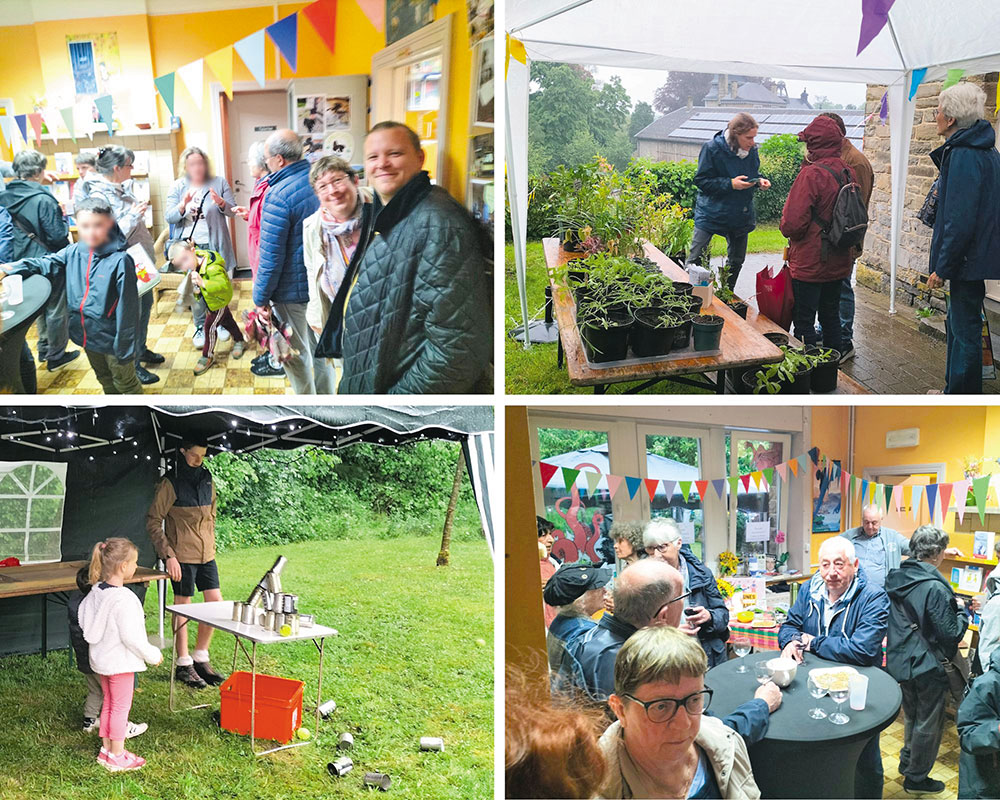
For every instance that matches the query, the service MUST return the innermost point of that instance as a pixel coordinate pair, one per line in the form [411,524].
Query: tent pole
[516,223]
[901,128]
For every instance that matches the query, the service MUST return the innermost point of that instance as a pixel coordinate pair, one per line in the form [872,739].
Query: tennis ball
[303,733]
[286,630]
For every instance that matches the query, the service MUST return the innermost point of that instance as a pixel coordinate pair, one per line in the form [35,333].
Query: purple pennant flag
[669,487]
[719,485]
[874,17]
[883,110]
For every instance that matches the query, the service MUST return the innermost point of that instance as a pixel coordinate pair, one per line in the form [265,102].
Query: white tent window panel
[32,498]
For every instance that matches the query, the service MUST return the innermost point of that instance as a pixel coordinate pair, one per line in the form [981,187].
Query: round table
[801,756]
[36,290]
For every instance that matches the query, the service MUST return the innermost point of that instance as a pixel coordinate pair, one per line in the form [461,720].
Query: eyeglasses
[659,548]
[679,597]
[336,183]
[665,708]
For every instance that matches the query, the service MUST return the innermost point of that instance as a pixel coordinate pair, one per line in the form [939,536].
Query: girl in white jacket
[114,627]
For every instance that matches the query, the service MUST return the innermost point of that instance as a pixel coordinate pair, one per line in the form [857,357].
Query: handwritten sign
[687,532]
[758,531]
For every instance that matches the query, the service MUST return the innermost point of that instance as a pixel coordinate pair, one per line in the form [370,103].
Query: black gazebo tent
[115,455]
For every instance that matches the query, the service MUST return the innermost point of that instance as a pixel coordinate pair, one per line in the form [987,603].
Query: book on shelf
[983,543]
[64,164]
[971,579]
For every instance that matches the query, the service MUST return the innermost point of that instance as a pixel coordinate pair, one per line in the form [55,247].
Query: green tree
[642,115]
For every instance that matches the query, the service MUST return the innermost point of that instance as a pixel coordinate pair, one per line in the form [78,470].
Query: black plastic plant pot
[607,344]
[739,307]
[581,293]
[695,304]
[777,339]
[707,330]
[578,275]
[683,288]
[748,382]
[682,336]
[647,339]
[801,385]
[824,375]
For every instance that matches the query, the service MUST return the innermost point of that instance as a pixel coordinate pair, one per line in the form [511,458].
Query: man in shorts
[181,526]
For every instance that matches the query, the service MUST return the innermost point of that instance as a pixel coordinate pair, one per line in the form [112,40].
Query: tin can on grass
[378,779]
[432,743]
[327,708]
[340,767]
[345,742]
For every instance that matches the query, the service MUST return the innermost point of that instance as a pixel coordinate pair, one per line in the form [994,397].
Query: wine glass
[817,691]
[764,673]
[741,646]
[839,693]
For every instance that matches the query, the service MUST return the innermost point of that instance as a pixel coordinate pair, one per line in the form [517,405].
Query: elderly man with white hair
[705,612]
[966,228]
[841,616]
[880,549]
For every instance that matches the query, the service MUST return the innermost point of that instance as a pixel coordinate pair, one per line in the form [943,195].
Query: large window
[759,502]
[676,459]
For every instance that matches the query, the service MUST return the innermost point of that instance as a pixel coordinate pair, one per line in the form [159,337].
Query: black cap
[572,581]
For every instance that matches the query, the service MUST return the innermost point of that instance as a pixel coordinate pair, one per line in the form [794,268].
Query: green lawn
[534,371]
[406,664]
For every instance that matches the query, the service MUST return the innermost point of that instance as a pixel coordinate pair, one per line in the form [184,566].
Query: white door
[252,117]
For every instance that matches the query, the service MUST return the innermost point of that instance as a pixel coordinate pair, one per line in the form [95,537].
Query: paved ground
[892,355]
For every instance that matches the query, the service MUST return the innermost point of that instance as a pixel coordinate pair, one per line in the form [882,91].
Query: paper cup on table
[859,691]
[15,292]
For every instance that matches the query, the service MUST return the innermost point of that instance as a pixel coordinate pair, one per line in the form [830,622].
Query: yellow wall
[34,61]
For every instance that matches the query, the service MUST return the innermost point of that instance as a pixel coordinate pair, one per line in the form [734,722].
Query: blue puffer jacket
[720,208]
[967,226]
[713,634]
[281,276]
[858,626]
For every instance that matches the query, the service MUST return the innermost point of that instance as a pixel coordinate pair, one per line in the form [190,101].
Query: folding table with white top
[219,615]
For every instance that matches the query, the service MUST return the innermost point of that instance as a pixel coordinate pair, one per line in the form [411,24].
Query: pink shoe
[124,762]
[102,757]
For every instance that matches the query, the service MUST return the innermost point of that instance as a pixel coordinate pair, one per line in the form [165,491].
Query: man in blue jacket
[841,617]
[281,284]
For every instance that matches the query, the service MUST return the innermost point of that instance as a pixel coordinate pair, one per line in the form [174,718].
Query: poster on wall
[309,114]
[484,82]
[340,144]
[403,17]
[338,113]
[826,499]
[32,496]
[95,62]
[480,20]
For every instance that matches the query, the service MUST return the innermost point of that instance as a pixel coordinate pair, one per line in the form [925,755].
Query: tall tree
[679,87]
[642,115]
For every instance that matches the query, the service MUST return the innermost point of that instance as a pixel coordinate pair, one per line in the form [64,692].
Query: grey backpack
[848,223]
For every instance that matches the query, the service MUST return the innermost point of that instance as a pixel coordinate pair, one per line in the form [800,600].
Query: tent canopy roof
[787,39]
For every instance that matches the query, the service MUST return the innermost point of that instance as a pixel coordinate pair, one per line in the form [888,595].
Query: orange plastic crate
[279,706]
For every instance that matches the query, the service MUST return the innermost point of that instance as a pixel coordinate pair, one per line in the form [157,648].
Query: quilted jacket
[217,289]
[720,208]
[281,275]
[418,317]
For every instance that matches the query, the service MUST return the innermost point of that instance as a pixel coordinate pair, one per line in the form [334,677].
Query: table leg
[720,382]
[45,625]
[236,650]
[559,352]
[600,388]
[253,697]
[173,660]
[319,685]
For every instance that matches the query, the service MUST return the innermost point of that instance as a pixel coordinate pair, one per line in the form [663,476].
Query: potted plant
[682,338]
[707,330]
[792,375]
[604,329]
[727,295]
[826,369]
[654,332]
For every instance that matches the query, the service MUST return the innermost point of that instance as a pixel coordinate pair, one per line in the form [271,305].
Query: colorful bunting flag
[633,485]
[793,465]
[883,109]
[614,484]
[67,115]
[916,79]
[804,462]
[782,469]
[323,16]
[757,477]
[944,493]
[5,128]
[593,478]
[546,471]
[669,487]
[685,487]
[105,110]
[980,488]
[907,496]
[960,490]
[51,117]
[36,126]
[954,76]
[734,486]
[769,475]
[814,455]
[702,487]
[193,77]
[745,480]
[845,479]
[221,64]
[897,497]
[252,51]
[931,492]
[651,484]
[887,491]
[864,490]
[284,33]
[22,125]
[853,485]
[918,493]
[874,17]
[719,484]
[165,86]
[569,476]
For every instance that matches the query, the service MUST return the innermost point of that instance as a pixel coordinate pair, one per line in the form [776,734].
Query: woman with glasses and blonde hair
[705,612]
[663,744]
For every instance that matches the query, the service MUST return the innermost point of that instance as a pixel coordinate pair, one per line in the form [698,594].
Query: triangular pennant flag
[782,469]
[745,480]
[719,484]
[804,462]
[918,494]
[193,77]
[105,111]
[685,487]
[36,126]
[614,484]
[165,86]
[8,134]
[734,486]
[944,494]
[872,489]
[854,486]
[569,476]
[980,487]
[546,471]
[252,50]
[864,491]
[323,16]
[284,33]
[954,76]
[669,487]
[897,497]
[961,494]
[874,16]
[887,490]
[702,487]
[758,476]
[633,485]
[845,479]
[769,475]
[67,115]
[916,79]
[651,484]
[22,125]
[593,478]
[931,492]
[883,108]
[793,465]
[814,455]
[375,11]
[221,64]
[51,118]
[907,497]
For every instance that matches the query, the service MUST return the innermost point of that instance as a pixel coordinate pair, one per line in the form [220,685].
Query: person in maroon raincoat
[817,276]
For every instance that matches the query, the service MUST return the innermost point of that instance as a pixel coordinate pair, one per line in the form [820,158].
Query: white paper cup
[859,691]
[15,293]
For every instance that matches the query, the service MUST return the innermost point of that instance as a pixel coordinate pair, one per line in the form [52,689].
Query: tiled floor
[946,768]
[170,334]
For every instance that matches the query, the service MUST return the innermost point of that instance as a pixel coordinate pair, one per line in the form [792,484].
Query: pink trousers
[118,691]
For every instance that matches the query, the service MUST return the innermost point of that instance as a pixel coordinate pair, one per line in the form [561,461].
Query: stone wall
[915,237]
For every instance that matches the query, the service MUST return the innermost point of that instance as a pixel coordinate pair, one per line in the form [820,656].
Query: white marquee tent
[776,39]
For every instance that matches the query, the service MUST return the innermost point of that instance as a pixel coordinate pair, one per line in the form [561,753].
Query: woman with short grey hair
[113,183]
[29,164]
[925,626]
[966,224]
[86,164]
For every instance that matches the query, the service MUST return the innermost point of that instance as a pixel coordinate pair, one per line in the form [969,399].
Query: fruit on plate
[744,616]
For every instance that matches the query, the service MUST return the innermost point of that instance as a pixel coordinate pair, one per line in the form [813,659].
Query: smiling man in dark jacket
[418,320]
[966,234]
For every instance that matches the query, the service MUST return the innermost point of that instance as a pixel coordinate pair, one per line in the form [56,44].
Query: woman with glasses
[705,612]
[333,242]
[663,745]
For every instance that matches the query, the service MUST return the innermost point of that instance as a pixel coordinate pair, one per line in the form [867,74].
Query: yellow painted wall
[19,57]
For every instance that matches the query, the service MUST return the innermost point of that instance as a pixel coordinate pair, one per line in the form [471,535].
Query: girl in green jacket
[211,281]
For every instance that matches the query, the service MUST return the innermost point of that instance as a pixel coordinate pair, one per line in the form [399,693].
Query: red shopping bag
[774,295]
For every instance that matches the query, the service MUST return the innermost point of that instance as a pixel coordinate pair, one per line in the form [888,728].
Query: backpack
[848,224]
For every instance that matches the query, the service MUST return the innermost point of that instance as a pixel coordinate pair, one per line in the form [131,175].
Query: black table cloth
[36,289]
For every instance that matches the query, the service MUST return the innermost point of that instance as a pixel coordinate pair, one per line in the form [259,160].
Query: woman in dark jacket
[966,234]
[979,735]
[728,172]
[920,596]
[818,271]
[704,609]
